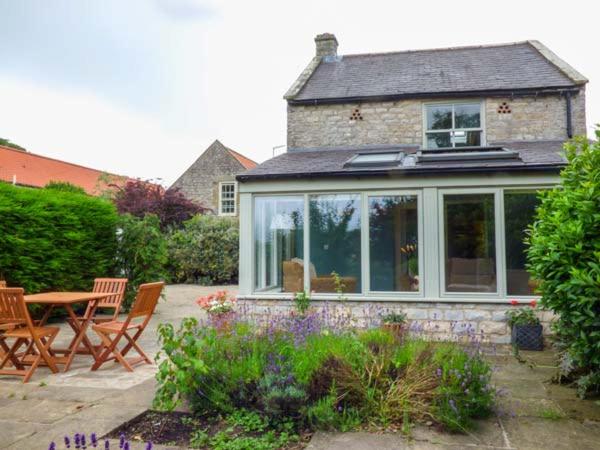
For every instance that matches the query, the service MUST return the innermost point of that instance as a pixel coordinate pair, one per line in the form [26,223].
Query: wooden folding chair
[137,320]
[108,286]
[15,319]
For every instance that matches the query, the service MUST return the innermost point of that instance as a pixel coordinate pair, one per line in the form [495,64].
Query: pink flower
[514,302]
[533,303]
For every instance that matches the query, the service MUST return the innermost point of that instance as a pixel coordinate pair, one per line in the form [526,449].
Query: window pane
[439,117]
[467,115]
[439,140]
[335,241]
[278,243]
[467,138]
[393,239]
[470,256]
[519,210]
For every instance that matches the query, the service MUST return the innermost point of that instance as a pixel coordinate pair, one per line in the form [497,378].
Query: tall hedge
[564,254]
[54,240]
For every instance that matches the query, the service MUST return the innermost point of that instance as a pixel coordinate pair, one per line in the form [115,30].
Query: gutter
[556,90]
[421,171]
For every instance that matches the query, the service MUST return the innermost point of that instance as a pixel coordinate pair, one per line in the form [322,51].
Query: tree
[140,198]
[564,255]
[7,143]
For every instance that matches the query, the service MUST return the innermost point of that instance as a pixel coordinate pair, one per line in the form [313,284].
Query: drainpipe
[569,115]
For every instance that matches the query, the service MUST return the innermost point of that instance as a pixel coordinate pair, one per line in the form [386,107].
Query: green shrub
[564,254]
[205,250]
[327,380]
[141,253]
[52,239]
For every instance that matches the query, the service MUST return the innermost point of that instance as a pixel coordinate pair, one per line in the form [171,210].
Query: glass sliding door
[335,242]
[278,243]
[519,212]
[470,243]
[393,243]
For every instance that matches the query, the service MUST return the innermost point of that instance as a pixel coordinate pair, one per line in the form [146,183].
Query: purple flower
[77,440]
[83,443]
[453,406]
[439,372]
[106,445]
[94,440]
[52,446]
[149,446]
[126,446]
[122,441]
[67,442]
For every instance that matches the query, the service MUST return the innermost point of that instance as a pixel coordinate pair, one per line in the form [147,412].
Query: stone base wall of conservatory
[435,320]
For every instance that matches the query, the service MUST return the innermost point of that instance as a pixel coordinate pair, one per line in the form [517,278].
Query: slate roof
[503,67]
[322,163]
[29,169]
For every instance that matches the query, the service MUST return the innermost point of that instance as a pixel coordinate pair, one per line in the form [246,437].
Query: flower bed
[309,371]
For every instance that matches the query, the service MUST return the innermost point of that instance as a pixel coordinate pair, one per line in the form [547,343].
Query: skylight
[376,159]
[466,154]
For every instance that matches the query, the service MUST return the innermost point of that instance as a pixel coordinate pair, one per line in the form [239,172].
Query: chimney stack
[327,45]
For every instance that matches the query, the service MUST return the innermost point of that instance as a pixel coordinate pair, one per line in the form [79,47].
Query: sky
[142,87]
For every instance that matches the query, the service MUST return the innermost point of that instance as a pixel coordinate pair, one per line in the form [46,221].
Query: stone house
[210,180]
[413,175]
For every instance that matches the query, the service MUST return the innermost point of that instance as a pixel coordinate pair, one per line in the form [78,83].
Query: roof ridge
[21,152]
[437,49]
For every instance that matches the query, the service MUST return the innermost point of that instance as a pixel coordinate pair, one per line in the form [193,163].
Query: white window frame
[426,131]
[235,191]
[366,255]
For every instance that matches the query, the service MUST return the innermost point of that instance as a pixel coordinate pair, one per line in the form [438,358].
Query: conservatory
[391,224]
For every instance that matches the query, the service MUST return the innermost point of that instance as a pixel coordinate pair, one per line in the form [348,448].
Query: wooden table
[80,324]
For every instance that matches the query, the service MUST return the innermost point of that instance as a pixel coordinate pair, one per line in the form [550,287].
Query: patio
[534,413]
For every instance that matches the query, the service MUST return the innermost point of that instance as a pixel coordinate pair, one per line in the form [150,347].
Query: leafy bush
[64,187]
[54,240]
[326,378]
[564,254]
[205,250]
[140,198]
[522,316]
[141,252]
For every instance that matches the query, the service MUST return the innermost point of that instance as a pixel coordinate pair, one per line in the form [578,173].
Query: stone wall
[401,122]
[200,182]
[439,321]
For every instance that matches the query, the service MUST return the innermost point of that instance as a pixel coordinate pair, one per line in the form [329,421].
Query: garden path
[534,414]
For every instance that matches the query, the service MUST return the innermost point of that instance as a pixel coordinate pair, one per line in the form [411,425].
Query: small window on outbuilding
[227,200]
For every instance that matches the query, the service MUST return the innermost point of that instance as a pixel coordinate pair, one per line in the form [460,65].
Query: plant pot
[527,337]
[397,329]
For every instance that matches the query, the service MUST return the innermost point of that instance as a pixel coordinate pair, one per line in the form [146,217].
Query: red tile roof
[246,162]
[29,169]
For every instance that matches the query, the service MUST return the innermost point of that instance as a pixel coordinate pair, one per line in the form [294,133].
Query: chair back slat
[2,284]
[111,286]
[13,308]
[146,300]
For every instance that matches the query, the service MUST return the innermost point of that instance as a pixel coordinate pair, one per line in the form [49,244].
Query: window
[470,243]
[393,243]
[335,242]
[453,125]
[519,211]
[278,243]
[376,159]
[227,199]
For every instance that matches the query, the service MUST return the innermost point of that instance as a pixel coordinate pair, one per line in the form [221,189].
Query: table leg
[80,336]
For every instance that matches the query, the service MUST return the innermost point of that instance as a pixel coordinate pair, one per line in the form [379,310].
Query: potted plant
[395,322]
[219,307]
[526,330]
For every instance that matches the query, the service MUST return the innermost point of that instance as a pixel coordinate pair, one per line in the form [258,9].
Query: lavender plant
[79,442]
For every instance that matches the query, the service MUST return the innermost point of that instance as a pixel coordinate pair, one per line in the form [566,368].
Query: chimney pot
[327,45]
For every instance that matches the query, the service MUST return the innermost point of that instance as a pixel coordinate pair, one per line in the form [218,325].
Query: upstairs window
[453,125]
[227,199]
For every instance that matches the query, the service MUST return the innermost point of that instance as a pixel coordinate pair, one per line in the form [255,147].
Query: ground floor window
[393,243]
[470,243]
[519,211]
[278,243]
[335,242]
[431,243]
